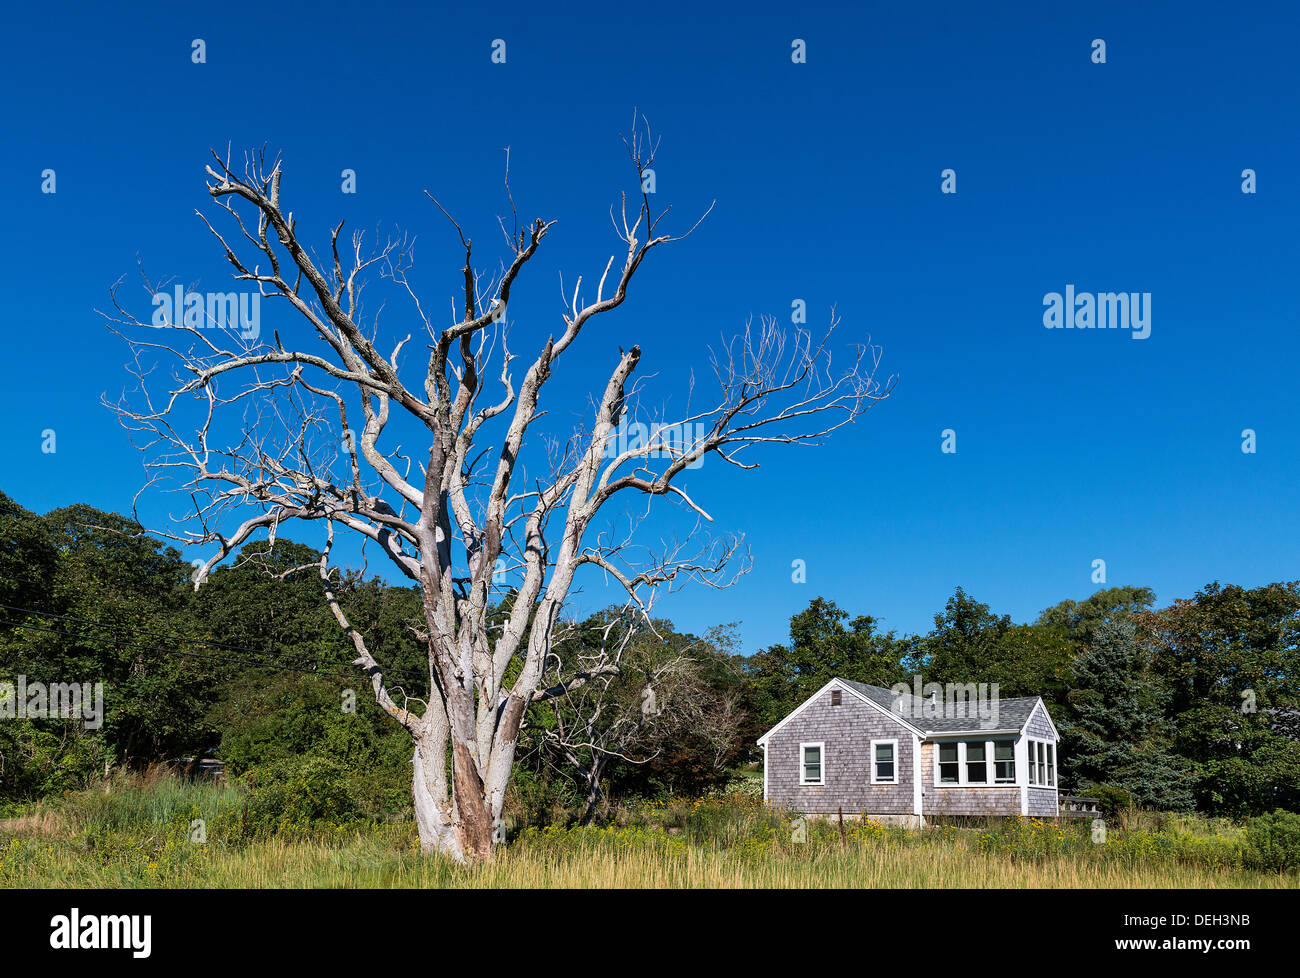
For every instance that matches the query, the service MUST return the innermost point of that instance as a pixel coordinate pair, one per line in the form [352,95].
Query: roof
[1012,713]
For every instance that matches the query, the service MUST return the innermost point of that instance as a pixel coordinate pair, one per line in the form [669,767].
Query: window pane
[884,752]
[976,772]
[948,772]
[1033,770]
[1004,750]
[885,771]
[812,764]
[947,753]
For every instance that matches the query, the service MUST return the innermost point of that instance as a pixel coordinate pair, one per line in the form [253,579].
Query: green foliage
[1112,800]
[295,795]
[1078,620]
[971,644]
[1273,841]
[1229,656]
[824,643]
[1116,730]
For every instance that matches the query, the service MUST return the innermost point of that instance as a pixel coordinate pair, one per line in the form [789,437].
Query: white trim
[821,763]
[1031,758]
[765,769]
[990,764]
[848,689]
[884,740]
[917,803]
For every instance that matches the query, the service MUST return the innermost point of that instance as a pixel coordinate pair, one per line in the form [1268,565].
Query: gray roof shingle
[1011,712]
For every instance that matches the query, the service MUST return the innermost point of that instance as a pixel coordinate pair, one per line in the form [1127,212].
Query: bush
[1273,841]
[298,794]
[1112,800]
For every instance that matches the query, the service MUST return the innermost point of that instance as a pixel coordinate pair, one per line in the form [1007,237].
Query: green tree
[971,644]
[1230,657]
[824,643]
[1115,732]
[1078,619]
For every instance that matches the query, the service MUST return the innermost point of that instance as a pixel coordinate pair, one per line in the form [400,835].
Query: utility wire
[247,663]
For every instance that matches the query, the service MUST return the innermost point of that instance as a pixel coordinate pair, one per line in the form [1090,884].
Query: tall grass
[140,835]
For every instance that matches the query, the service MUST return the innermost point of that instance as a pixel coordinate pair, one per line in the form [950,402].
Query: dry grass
[142,836]
[43,825]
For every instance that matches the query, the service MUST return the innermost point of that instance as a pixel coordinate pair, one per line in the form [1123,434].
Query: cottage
[892,756]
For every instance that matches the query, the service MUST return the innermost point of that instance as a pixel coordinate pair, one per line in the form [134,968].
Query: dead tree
[461,507]
[628,715]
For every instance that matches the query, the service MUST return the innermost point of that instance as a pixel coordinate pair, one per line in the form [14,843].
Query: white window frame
[990,766]
[803,770]
[965,765]
[884,740]
[1051,772]
[961,759]
[1015,774]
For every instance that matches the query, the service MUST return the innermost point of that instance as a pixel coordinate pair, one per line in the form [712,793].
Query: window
[1042,764]
[884,762]
[835,697]
[976,767]
[1029,757]
[1004,761]
[949,769]
[810,763]
[1051,765]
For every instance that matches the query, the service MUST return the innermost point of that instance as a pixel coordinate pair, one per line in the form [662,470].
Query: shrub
[1111,799]
[296,794]
[1273,841]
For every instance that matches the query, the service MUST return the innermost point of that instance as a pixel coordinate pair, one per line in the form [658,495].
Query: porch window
[949,769]
[1051,765]
[810,764]
[884,762]
[1033,766]
[1004,761]
[1042,764]
[976,766]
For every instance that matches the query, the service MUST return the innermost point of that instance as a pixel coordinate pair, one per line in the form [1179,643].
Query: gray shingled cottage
[897,757]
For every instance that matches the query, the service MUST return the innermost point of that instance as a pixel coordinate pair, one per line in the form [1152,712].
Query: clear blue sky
[1072,445]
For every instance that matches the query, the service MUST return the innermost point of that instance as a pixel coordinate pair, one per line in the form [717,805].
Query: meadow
[170,832]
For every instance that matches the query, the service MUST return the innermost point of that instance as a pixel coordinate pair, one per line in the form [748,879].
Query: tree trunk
[593,789]
[459,823]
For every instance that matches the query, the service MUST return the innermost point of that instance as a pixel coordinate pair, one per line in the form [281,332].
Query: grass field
[174,833]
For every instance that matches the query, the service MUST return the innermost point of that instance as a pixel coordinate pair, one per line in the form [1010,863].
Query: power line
[246,663]
[187,639]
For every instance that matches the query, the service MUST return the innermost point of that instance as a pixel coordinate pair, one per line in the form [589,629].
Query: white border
[897,759]
[821,749]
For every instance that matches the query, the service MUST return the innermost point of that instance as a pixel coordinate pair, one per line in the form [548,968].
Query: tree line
[1193,706]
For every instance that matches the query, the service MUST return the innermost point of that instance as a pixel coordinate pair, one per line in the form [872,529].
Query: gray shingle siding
[959,800]
[847,730]
[972,801]
[1043,803]
[1039,727]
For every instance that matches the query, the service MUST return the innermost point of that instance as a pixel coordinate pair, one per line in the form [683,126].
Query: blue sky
[1072,445]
